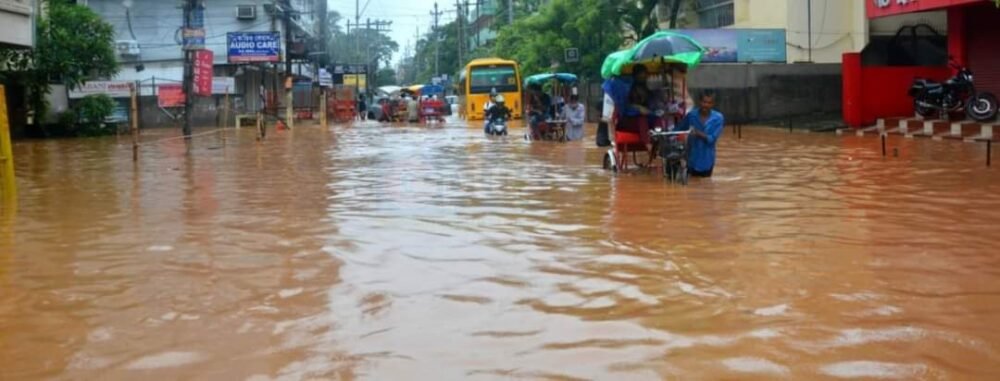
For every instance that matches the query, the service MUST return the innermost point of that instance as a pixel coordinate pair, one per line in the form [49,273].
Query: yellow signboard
[358,80]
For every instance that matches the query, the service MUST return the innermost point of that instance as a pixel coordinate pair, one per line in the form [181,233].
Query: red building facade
[872,92]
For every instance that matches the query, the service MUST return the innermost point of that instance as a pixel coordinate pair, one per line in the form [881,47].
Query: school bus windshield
[501,77]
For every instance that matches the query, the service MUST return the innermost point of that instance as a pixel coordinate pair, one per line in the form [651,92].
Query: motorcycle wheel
[982,107]
[926,112]
[668,172]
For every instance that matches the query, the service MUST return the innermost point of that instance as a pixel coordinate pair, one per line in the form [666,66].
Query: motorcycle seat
[921,82]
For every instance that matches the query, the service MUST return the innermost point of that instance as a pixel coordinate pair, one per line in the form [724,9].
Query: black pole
[188,85]
[739,132]
[883,144]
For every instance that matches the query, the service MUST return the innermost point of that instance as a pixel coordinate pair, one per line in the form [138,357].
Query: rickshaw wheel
[607,162]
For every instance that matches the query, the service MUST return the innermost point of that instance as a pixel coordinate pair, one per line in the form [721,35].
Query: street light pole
[188,84]
[809,9]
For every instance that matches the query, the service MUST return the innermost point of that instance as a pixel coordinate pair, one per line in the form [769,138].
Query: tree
[359,45]
[639,17]
[385,77]
[73,46]
[540,40]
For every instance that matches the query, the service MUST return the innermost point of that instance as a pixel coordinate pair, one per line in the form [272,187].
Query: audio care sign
[249,47]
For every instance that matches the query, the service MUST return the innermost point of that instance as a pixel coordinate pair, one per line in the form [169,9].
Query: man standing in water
[706,126]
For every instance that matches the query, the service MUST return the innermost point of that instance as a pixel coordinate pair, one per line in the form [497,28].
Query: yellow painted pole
[135,122]
[322,108]
[8,186]
[225,116]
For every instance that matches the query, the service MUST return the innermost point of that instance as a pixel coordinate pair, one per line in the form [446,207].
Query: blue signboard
[247,47]
[740,45]
[761,45]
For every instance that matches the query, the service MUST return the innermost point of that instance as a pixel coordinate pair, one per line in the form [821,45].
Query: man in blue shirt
[706,126]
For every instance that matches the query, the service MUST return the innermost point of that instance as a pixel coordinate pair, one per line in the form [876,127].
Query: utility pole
[188,85]
[809,10]
[289,83]
[510,12]
[437,41]
[357,25]
[461,22]
[368,49]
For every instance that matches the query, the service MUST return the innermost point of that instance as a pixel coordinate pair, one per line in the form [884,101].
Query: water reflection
[384,252]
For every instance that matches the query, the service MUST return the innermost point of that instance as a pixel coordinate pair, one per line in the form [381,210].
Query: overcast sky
[406,16]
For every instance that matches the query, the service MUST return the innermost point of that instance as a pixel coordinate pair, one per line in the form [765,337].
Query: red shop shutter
[983,29]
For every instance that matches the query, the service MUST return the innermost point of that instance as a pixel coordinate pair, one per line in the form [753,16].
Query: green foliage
[73,46]
[358,44]
[540,40]
[92,111]
[385,77]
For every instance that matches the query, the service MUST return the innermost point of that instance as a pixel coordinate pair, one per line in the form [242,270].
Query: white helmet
[500,98]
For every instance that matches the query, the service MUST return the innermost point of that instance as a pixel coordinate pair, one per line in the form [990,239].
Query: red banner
[171,95]
[882,8]
[203,73]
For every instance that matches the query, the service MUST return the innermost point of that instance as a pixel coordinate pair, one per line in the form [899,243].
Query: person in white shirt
[575,116]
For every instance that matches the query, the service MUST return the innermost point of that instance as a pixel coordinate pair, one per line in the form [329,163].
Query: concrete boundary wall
[749,93]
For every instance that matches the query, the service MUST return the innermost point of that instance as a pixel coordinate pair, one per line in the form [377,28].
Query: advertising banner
[223,85]
[358,80]
[170,95]
[246,47]
[194,38]
[114,89]
[881,8]
[740,45]
[203,73]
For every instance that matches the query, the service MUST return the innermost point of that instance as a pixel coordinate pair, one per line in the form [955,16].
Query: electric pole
[188,85]
[289,83]
[461,23]
[357,25]
[437,41]
[510,12]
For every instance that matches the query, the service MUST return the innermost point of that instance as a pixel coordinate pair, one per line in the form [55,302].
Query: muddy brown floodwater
[413,253]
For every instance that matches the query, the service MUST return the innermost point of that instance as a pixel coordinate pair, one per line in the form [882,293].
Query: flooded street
[398,253]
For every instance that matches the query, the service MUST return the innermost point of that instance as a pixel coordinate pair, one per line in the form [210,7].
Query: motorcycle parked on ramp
[932,99]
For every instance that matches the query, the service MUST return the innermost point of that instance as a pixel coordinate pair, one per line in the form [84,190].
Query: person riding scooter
[499,112]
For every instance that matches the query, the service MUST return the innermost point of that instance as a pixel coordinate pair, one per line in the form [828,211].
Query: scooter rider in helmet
[498,110]
[490,102]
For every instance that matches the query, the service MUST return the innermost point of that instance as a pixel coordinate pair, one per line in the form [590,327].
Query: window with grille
[715,13]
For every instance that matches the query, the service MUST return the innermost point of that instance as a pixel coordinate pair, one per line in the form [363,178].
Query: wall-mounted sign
[740,45]
[194,38]
[223,85]
[882,8]
[114,89]
[244,47]
[170,95]
[203,72]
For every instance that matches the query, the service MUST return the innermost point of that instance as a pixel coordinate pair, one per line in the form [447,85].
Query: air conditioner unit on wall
[246,12]
[127,48]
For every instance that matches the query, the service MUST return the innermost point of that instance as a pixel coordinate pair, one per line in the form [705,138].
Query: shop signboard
[249,47]
[740,45]
[882,8]
[194,38]
[203,72]
[170,95]
[223,85]
[114,89]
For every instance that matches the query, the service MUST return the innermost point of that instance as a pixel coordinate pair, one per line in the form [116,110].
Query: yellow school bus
[481,76]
